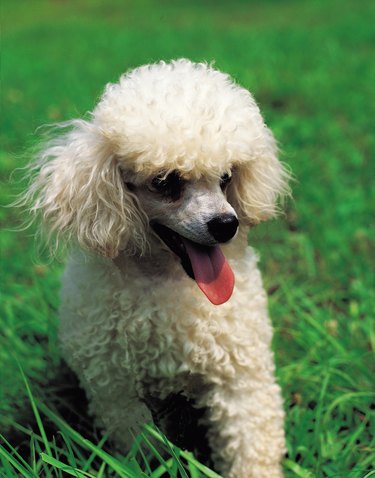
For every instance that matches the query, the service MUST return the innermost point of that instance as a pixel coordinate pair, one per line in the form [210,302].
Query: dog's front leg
[246,427]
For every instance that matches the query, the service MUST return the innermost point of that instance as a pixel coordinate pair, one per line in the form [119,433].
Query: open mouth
[206,265]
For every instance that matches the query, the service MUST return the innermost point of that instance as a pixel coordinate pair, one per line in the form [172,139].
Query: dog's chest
[170,331]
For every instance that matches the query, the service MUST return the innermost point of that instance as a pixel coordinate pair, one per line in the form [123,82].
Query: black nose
[223,227]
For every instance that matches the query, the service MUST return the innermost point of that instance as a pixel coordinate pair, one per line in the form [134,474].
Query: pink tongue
[212,272]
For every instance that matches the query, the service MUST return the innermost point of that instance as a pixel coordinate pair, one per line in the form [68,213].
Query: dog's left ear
[79,192]
[259,183]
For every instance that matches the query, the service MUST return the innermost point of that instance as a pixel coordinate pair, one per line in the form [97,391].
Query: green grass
[309,65]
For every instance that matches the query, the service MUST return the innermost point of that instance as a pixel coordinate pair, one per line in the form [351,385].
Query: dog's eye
[169,186]
[225,180]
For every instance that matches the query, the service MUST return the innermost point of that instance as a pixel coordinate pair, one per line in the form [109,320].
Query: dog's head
[177,149]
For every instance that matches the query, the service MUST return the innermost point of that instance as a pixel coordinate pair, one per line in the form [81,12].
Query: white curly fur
[132,321]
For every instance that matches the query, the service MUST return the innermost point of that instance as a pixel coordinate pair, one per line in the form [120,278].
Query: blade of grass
[36,412]
[298,470]
[15,463]
[16,454]
[136,447]
[134,466]
[353,437]
[33,454]
[70,470]
[93,455]
[116,465]
[194,473]
[41,468]
[185,454]
[55,448]
[172,450]
[155,452]
[101,470]
[27,431]
[70,454]
[203,468]
[6,468]
[344,398]
[310,318]
[75,449]
[161,469]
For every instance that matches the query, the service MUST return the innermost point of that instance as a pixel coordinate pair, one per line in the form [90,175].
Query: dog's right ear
[78,189]
[259,183]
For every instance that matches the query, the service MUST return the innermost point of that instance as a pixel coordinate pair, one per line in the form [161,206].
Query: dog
[162,304]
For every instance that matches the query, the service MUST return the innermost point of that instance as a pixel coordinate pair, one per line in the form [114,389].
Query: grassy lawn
[309,65]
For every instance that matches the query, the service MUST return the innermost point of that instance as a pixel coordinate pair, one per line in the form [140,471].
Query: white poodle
[163,308]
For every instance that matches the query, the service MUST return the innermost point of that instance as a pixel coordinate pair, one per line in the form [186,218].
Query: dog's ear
[259,183]
[79,191]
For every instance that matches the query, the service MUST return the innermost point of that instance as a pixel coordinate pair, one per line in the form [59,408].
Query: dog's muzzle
[207,265]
